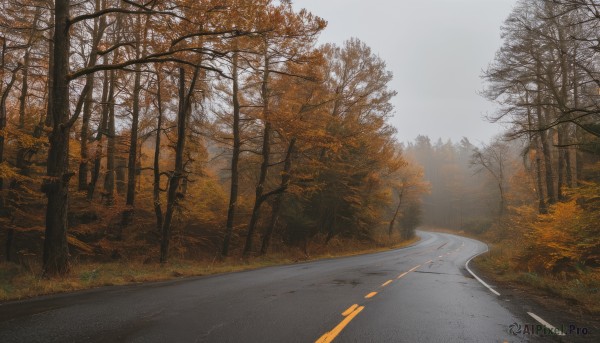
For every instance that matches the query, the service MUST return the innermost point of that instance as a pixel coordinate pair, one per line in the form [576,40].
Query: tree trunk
[102,127]
[178,173]
[21,153]
[133,167]
[109,179]
[133,149]
[568,158]
[564,163]
[84,137]
[285,180]
[542,208]
[544,140]
[561,164]
[56,186]
[22,105]
[576,155]
[3,96]
[266,153]
[156,190]
[97,33]
[50,81]
[547,153]
[233,192]
[4,206]
[391,226]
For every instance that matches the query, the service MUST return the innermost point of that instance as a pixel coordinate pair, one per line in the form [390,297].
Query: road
[420,293]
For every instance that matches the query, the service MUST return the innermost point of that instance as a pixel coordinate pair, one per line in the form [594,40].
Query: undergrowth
[19,281]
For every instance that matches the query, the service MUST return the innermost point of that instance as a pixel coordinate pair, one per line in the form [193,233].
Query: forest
[191,129]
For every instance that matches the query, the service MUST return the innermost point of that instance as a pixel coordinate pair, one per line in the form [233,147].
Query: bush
[567,238]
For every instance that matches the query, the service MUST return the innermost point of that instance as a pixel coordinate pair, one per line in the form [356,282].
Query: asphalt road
[417,294]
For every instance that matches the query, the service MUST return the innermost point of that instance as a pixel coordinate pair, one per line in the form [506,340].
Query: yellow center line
[370,295]
[354,310]
[430,261]
[349,310]
[331,335]
[386,283]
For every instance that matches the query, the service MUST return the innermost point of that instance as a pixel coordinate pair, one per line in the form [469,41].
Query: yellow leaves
[9,172]
[24,140]
[567,237]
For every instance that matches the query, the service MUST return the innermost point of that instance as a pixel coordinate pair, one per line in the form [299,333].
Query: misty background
[436,50]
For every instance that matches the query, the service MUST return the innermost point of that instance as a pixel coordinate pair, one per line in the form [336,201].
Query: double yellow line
[353,311]
[350,313]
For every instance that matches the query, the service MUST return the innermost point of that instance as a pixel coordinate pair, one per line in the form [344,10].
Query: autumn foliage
[194,129]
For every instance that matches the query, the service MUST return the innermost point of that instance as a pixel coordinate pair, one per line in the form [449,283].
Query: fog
[436,50]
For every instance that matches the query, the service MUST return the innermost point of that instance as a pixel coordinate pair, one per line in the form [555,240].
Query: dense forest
[191,128]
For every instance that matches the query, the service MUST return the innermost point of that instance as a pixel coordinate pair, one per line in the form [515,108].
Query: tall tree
[56,185]
[185,103]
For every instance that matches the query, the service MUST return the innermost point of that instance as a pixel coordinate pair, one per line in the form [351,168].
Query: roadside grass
[21,281]
[581,287]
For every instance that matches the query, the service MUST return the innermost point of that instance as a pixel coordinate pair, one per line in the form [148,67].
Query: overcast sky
[436,50]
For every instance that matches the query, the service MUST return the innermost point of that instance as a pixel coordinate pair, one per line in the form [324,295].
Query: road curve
[420,293]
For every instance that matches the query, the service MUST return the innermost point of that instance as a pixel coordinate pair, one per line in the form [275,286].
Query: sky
[436,49]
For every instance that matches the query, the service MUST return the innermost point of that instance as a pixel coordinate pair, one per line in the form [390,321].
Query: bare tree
[493,158]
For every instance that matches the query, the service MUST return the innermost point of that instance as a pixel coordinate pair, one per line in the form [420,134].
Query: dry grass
[19,281]
[581,288]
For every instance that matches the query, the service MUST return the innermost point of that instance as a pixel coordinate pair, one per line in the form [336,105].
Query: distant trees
[457,196]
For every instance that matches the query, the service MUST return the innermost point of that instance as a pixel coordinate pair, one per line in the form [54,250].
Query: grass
[25,281]
[581,288]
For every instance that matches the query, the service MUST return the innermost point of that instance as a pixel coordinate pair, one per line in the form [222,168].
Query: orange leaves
[567,237]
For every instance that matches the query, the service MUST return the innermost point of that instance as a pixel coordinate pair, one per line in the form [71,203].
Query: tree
[410,220]
[493,159]
[291,40]
[185,103]
[349,174]
[56,185]
[408,184]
